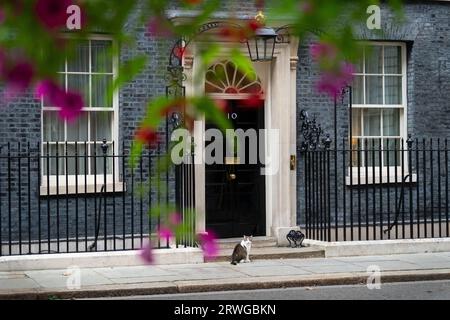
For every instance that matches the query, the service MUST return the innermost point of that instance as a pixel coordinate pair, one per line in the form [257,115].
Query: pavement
[221,276]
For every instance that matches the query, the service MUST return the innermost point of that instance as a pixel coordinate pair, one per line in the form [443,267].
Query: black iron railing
[79,197]
[375,189]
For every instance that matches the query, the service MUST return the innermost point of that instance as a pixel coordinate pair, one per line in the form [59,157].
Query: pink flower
[52,13]
[49,89]
[20,76]
[70,104]
[209,244]
[175,218]
[332,82]
[323,51]
[165,233]
[146,253]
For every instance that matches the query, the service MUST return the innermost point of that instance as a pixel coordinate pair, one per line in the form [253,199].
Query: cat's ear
[245,237]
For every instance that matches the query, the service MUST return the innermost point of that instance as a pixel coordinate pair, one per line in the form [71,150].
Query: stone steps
[271,253]
[258,242]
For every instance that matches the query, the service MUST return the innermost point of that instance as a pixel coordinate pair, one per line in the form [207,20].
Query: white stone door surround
[279,78]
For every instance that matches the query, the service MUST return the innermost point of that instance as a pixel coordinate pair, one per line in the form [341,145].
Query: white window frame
[393,170]
[67,183]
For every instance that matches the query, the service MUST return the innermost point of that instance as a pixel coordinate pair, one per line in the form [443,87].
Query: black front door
[235,191]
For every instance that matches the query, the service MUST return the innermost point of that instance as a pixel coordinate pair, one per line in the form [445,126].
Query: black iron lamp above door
[261,46]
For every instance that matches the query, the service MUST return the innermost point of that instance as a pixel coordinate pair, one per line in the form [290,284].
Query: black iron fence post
[409,143]
[104,148]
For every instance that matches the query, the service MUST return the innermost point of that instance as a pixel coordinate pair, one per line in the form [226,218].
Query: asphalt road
[426,290]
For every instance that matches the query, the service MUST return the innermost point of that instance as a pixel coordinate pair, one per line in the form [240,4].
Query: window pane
[79,60]
[374,90]
[100,86]
[53,159]
[393,89]
[101,126]
[392,155]
[98,161]
[101,56]
[374,62]
[356,122]
[391,122]
[392,60]
[78,130]
[372,122]
[355,156]
[53,127]
[61,79]
[373,152]
[74,159]
[358,90]
[79,83]
[359,65]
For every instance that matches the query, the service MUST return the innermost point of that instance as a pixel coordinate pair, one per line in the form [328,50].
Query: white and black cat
[242,251]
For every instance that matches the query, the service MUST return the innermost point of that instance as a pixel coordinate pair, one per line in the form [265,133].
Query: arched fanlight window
[225,77]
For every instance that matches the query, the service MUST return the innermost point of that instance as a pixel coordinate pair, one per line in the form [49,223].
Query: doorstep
[271,253]
[257,242]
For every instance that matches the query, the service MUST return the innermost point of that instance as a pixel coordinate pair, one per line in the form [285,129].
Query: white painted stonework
[99,259]
[279,79]
[380,247]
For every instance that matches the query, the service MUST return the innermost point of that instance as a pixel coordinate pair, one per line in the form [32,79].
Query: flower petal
[146,253]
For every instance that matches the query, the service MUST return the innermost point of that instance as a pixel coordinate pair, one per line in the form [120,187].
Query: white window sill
[82,189]
[370,180]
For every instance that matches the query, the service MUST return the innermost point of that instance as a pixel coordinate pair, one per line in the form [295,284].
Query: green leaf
[243,63]
[208,107]
[155,111]
[135,153]
[161,210]
[128,70]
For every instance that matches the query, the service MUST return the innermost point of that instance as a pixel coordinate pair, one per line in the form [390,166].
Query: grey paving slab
[435,265]
[369,258]
[59,279]
[258,263]
[313,262]
[335,268]
[135,280]
[21,283]
[275,262]
[424,257]
[390,265]
[205,273]
[132,272]
[272,271]
[431,264]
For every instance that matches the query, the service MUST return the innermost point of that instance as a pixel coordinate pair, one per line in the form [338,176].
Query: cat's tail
[234,263]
